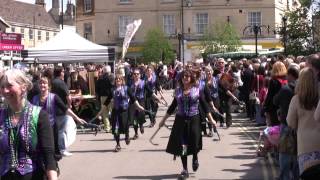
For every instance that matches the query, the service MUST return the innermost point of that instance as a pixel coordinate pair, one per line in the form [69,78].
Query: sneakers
[210,134]
[184,174]
[66,153]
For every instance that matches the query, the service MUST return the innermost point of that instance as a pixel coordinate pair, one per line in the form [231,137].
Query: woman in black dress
[185,138]
[121,96]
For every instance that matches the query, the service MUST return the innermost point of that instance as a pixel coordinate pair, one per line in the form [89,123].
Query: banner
[131,30]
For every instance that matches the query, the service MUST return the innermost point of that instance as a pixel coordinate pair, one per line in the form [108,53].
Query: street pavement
[234,157]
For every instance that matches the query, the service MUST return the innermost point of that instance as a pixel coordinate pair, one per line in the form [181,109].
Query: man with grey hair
[104,85]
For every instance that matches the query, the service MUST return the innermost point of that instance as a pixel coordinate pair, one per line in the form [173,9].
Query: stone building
[104,22]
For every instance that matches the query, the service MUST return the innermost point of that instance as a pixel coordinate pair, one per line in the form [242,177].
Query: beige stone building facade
[104,22]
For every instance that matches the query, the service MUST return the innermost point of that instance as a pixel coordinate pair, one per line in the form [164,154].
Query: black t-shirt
[60,88]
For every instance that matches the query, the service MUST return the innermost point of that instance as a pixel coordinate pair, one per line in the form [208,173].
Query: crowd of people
[280,93]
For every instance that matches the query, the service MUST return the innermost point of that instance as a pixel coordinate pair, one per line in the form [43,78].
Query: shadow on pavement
[152,150]
[237,157]
[155,177]
[94,151]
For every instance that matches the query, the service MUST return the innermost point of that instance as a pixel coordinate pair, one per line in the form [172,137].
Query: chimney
[40,2]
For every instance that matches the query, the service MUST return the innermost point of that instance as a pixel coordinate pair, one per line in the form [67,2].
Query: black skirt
[119,118]
[136,117]
[186,129]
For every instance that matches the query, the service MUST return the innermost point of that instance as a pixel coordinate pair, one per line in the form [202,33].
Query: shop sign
[10,42]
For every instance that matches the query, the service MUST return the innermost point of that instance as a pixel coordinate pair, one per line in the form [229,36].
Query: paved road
[231,158]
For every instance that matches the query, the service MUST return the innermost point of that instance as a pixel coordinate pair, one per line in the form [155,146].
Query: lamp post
[256,29]
[284,28]
[61,14]
[181,39]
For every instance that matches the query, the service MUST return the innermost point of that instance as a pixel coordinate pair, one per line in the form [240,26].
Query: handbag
[254,95]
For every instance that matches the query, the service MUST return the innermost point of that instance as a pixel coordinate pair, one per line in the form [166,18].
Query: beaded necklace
[14,135]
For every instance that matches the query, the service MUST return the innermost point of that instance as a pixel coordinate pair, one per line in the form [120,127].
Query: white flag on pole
[131,30]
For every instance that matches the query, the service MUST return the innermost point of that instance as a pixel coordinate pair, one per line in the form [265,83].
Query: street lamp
[181,36]
[256,29]
[284,28]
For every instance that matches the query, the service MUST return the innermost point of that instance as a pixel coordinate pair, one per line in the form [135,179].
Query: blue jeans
[260,119]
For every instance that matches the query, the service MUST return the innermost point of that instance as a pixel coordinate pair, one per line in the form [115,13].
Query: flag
[131,30]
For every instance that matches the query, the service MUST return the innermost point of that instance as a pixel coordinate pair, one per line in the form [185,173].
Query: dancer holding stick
[185,138]
[119,115]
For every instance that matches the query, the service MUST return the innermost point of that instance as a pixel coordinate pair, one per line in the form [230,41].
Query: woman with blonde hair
[278,79]
[26,141]
[122,96]
[301,117]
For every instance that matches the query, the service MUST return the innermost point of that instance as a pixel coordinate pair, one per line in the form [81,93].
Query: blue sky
[48,2]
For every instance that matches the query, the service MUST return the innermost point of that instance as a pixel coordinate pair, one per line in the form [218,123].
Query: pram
[270,138]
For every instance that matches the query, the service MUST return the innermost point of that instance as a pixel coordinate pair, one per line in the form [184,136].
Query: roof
[68,46]
[20,12]
[4,22]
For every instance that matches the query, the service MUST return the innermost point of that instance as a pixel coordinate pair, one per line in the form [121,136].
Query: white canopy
[68,46]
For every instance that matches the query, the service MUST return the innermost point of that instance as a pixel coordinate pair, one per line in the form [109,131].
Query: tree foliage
[298,32]
[220,38]
[157,47]
[305,3]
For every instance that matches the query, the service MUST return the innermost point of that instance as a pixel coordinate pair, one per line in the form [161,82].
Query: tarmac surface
[234,157]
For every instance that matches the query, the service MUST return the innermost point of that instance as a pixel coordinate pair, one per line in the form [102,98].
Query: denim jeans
[260,119]
[289,169]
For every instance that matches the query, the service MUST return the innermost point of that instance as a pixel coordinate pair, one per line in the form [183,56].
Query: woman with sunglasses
[121,96]
[185,138]
[139,90]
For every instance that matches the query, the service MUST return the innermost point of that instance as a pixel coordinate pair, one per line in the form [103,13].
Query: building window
[87,30]
[87,5]
[13,29]
[254,18]
[201,21]
[123,22]
[30,33]
[54,34]
[22,33]
[39,35]
[169,24]
[47,36]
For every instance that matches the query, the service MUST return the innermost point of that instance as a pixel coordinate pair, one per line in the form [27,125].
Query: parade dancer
[153,84]
[139,90]
[212,84]
[26,138]
[54,106]
[185,138]
[119,116]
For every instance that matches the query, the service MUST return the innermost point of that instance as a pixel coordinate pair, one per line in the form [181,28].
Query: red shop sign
[11,47]
[10,38]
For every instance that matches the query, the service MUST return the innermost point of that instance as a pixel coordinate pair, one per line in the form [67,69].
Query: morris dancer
[26,141]
[185,138]
[54,106]
[139,90]
[119,115]
[153,84]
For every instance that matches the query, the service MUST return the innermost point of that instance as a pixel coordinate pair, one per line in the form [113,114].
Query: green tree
[157,47]
[298,32]
[220,38]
